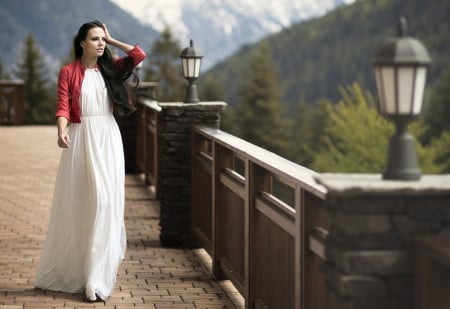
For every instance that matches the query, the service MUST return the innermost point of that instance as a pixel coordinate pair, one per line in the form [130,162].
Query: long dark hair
[114,76]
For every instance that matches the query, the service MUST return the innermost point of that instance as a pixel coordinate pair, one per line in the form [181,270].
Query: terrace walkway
[149,277]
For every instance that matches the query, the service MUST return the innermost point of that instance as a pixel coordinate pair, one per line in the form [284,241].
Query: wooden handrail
[286,169]
[270,249]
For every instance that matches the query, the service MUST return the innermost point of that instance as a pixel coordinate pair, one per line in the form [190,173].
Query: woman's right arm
[63,135]
[62,110]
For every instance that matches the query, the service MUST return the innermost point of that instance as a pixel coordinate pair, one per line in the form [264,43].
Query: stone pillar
[174,123]
[373,224]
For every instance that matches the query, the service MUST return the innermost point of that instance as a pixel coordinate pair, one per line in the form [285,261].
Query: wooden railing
[147,159]
[259,216]
[262,220]
[12,102]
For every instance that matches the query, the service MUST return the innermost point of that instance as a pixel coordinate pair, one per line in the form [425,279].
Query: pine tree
[165,68]
[210,90]
[3,74]
[39,106]
[308,130]
[260,112]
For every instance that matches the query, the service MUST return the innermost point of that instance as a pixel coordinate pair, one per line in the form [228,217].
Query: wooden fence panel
[272,259]
[316,227]
[140,139]
[151,147]
[229,221]
[201,198]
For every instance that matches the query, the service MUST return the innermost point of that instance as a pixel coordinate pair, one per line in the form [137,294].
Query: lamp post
[191,59]
[401,65]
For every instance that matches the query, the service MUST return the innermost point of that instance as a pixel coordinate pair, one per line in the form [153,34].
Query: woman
[86,238]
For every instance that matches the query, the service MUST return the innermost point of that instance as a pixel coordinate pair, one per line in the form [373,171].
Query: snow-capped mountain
[219,27]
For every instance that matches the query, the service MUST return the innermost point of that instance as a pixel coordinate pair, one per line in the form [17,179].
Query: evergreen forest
[329,105]
[306,93]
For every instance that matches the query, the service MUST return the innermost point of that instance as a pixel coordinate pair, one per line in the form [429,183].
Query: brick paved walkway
[149,277]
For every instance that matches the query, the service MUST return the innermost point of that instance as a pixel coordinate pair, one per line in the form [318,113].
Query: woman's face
[94,44]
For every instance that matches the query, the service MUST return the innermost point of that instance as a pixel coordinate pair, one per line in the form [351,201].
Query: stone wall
[174,124]
[370,245]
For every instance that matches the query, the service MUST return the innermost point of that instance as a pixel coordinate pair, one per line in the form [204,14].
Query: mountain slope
[53,23]
[219,27]
[316,57]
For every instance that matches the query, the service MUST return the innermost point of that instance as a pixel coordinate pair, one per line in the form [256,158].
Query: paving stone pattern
[149,277]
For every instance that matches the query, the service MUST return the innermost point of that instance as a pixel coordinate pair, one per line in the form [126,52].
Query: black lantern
[401,65]
[191,60]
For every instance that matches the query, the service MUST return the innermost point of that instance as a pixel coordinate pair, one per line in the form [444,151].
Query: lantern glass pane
[385,77]
[197,66]
[184,63]
[419,88]
[191,67]
[405,90]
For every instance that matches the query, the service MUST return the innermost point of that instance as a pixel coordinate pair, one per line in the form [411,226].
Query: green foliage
[164,67]
[426,154]
[308,130]
[441,153]
[303,135]
[210,90]
[227,121]
[355,139]
[437,111]
[260,111]
[39,105]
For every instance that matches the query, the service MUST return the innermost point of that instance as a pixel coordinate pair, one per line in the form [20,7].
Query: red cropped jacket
[70,80]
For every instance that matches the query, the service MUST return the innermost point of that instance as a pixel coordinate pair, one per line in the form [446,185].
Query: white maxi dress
[86,238]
